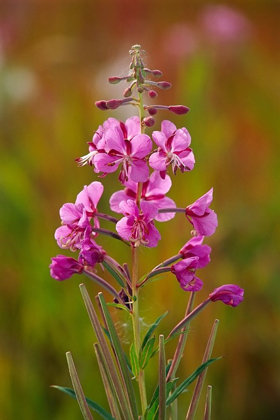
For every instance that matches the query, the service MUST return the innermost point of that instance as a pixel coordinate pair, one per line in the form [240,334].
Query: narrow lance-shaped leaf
[189,380]
[152,329]
[120,356]
[207,412]
[162,380]
[200,380]
[92,404]
[114,273]
[78,388]
[107,358]
[109,389]
[147,352]
[134,360]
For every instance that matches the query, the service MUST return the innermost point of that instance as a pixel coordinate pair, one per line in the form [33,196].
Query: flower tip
[164,85]
[101,105]
[179,109]
[114,80]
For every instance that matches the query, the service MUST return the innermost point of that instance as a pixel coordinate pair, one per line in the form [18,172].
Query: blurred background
[223,62]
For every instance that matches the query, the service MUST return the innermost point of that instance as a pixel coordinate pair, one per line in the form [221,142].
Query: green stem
[136,327]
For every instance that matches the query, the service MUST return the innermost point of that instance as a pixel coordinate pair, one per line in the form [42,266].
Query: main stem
[135,291]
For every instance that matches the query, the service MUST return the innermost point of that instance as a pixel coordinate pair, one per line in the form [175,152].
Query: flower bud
[152,94]
[179,109]
[157,73]
[113,103]
[101,105]
[152,111]
[127,92]
[149,121]
[163,85]
[230,294]
[114,80]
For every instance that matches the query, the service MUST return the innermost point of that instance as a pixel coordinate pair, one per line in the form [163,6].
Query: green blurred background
[223,62]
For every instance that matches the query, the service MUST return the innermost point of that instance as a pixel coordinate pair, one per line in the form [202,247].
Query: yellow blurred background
[223,62]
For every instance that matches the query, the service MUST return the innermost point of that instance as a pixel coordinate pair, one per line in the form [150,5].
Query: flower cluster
[143,163]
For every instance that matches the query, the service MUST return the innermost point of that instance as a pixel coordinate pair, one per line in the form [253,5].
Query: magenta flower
[76,217]
[194,248]
[173,149]
[125,146]
[203,219]
[153,191]
[138,226]
[91,253]
[230,294]
[63,268]
[185,272]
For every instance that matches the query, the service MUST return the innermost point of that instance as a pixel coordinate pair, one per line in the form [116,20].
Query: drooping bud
[101,105]
[157,73]
[115,103]
[114,80]
[179,109]
[152,94]
[149,121]
[163,85]
[128,91]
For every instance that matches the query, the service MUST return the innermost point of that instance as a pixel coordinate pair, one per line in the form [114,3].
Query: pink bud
[101,105]
[114,80]
[149,121]
[152,94]
[164,85]
[127,92]
[157,73]
[114,103]
[179,109]
[152,111]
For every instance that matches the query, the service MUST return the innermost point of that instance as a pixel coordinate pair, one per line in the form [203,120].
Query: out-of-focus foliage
[55,58]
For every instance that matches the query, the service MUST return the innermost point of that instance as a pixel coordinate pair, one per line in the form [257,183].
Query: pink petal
[207,224]
[90,195]
[157,185]
[115,141]
[168,128]
[149,210]
[152,237]
[124,227]
[116,199]
[133,127]
[141,145]
[139,171]
[160,139]
[157,161]
[106,163]
[165,202]
[200,206]
[180,141]
[70,213]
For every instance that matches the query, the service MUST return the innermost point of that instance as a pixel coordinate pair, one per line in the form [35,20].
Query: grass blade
[162,380]
[120,356]
[207,412]
[189,380]
[78,388]
[96,407]
[107,358]
[200,380]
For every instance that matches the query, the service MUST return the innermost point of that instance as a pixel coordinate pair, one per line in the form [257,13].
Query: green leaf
[96,407]
[114,273]
[156,392]
[152,329]
[152,410]
[134,360]
[147,352]
[189,380]
[78,388]
[118,305]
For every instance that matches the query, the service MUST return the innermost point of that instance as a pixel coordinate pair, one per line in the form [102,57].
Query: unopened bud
[101,105]
[152,111]
[164,85]
[114,103]
[157,73]
[179,109]
[152,94]
[127,92]
[114,80]
[149,121]
[140,89]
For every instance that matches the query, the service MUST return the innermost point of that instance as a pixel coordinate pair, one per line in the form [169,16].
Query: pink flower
[64,267]
[185,272]
[123,143]
[230,294]
[203,219]
[76,217]
[153,191]
[194,248]
[91,253]
[137,226]
[173,149]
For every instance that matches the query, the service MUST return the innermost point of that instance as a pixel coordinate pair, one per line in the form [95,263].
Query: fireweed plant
[144,165]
